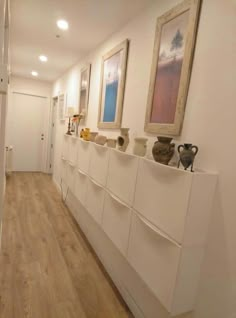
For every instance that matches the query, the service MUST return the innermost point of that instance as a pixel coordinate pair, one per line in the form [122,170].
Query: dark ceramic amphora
[187,153]
[163,150]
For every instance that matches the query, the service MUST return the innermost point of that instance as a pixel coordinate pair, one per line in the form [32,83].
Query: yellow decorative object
[86,134]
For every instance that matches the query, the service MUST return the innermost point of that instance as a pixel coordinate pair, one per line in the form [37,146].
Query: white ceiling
[34,30]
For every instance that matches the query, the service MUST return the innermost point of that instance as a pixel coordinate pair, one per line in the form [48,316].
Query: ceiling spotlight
[43,58]
[34,73]
[62,24]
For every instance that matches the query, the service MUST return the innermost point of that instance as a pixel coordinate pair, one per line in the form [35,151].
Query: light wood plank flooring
[47,268]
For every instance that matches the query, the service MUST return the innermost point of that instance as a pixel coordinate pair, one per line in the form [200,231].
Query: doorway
[27,131]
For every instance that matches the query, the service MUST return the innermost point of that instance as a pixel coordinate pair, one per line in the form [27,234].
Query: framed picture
[171,68]
[84,89]
[113,76]
[62,106]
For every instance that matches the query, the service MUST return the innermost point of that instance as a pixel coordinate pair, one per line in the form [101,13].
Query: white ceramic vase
[140,146]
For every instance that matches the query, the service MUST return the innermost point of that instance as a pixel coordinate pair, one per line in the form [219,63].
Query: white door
[26,131]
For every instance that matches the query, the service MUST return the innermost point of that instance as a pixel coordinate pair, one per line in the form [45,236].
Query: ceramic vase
[100,140]
[93,135]
[111,143]
[163,150]
[187,154]
[123,139]
[140,146]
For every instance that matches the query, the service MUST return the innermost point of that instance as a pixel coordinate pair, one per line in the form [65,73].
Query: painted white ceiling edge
[34,30]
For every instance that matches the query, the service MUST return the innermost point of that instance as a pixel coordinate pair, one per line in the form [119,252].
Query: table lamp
[70,113]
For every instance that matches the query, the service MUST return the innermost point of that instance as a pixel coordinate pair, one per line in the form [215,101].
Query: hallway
[47,268]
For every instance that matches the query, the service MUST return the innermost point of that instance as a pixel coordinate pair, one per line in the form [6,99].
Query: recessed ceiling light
[34,73]
[62,24]
[43,58]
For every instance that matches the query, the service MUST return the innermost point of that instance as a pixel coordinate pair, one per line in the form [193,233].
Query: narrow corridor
[47,268]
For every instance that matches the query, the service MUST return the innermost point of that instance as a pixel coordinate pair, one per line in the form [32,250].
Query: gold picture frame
[175,38]
[113,76]
[84,89]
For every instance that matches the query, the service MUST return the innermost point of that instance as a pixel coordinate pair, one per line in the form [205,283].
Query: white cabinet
[83,155]
[99,163]
[73,149]
[164,265]
[81,180]
[116,222]
[95,200]
[122,173]
[71,176]
[157,216]
[169,197]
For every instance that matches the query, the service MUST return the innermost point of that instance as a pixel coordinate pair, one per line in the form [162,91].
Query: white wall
[209,123]
[37,88]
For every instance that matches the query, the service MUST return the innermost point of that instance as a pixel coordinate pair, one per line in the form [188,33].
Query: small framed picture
[84,89]
[113,76]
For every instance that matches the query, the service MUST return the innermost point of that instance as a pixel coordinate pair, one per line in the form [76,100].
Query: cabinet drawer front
[99,163]
[95,200]
[83,155]
[65,147]
[116,222]
[162,196]
[122,173]
[71,176]
[63,170]
[81,186]
[154,257]
[73,150]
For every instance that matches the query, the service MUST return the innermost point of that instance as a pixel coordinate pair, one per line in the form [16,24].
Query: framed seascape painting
[171,68]
[84,89]
[112,87]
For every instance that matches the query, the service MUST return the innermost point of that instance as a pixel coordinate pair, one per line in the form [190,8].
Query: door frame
[4,61]
[52,133]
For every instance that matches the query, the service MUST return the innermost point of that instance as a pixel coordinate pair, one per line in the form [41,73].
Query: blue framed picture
[113,75]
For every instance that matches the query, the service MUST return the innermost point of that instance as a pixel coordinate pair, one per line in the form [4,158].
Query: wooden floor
[47,269]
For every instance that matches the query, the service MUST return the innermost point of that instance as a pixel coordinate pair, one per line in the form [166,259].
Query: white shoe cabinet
[157,216]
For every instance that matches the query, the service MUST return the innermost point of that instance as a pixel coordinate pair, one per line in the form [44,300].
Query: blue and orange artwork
[169,69]
[111,87]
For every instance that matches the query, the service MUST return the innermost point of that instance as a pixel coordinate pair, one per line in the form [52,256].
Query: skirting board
[135,293]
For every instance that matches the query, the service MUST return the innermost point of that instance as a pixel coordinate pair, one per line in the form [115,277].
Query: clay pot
[187,154]
[100,140]
[93,135]
[140,146]
[111,143]
[123,139]
[163,150]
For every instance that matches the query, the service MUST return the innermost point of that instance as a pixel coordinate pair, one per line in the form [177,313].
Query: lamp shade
[70,111]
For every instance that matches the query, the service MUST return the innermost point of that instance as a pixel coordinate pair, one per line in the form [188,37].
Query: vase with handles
[187,154]
[163,150]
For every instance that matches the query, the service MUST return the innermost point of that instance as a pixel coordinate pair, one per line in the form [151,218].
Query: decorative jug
[123,139]
[163,150]
[140,146]
[187,154]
